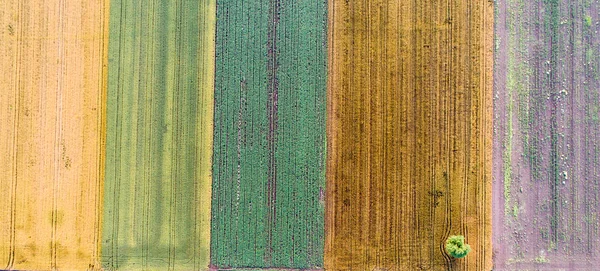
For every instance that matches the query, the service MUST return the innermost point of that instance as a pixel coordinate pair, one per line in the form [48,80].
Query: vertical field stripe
[547,128]
[51,119]
[409,130]
[159,135]
[269,151]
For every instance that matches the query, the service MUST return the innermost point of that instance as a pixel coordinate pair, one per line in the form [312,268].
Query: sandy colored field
[159,135]
[51,123]
[546,134]
[410,110]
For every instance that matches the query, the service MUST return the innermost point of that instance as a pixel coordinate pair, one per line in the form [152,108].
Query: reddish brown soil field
[410,142]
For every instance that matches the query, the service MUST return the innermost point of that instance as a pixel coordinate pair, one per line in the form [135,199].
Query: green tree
[456,247]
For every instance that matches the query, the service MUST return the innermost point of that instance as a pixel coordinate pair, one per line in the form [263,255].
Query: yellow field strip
[52,105]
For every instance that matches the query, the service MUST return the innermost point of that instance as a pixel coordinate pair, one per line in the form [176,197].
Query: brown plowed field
[410,141]
[51,108]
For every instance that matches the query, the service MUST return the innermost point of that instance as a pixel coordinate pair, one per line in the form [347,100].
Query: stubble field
[410,140]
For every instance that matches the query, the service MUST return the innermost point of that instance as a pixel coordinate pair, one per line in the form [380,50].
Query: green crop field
[269,139]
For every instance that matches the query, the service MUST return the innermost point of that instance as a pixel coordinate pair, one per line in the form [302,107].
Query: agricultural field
[299,135]
[52,104]
[159,135]
[546,134]
[269,134]
[410,134]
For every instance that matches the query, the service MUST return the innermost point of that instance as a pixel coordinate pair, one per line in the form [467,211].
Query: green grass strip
[159,135]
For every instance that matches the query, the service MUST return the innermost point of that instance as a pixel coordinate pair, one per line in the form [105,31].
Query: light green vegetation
[159,132]
[587,20]
[541,259]
[456,247]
